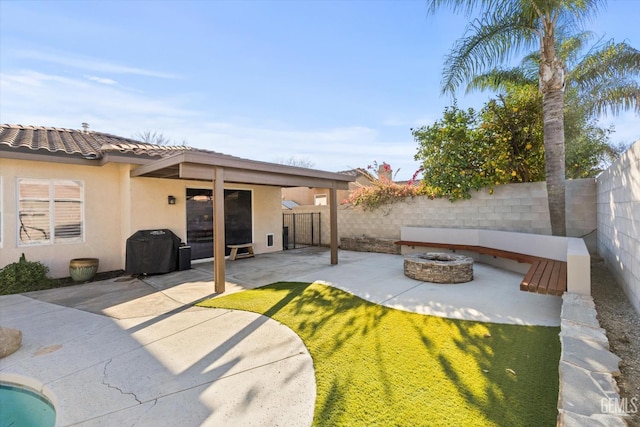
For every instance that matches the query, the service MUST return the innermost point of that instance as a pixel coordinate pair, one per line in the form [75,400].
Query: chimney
[384,170]
[85,127]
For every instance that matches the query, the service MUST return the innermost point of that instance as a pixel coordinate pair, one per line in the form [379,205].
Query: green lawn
[380,366]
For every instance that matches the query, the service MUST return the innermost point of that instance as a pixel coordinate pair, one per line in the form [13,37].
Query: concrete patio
[137,352]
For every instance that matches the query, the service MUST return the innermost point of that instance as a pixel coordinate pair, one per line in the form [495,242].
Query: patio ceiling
[221,168]
[200,166]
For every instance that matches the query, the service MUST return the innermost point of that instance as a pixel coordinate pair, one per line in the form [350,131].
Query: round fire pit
[439,267]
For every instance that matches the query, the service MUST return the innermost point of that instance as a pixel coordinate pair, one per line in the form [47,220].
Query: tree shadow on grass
[377,365]
[507,372]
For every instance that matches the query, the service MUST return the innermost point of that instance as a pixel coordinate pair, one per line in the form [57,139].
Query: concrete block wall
[513,207]
[581,200]
[618,213]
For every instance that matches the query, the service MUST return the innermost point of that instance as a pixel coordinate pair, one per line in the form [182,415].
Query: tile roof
[358,171]
[87,144]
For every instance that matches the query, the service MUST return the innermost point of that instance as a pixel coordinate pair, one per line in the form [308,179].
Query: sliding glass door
[238,220]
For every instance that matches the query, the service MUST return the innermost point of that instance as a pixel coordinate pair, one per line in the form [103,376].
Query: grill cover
[152,252]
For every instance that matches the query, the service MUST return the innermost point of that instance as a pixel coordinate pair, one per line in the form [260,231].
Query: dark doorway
[238,220]
[200,222]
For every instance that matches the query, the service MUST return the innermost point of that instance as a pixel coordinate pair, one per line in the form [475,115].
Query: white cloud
[410,122]
[102,80]
[333,149]
[34,98]
[90,64]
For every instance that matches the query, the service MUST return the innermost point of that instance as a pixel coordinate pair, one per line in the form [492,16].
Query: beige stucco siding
[102,225]
[150,208]
[267,218]
[116,206]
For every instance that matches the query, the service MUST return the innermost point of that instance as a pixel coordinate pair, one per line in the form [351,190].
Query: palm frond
[614,61]
[574,13]
[489,41]
[570,48]
[466,6]
[613,97]
[498,79]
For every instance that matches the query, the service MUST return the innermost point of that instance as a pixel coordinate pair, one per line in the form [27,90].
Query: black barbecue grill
[152,252]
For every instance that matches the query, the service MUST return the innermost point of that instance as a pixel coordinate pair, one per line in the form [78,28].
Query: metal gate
[300,230]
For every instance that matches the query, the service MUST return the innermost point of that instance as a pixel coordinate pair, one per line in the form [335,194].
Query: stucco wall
[150,208]
[618,206]
[102,196]
[267,218]
[115,207]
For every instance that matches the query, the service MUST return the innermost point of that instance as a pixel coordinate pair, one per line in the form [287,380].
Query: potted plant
[83,269]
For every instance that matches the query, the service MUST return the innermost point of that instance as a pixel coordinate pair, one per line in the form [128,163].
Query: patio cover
[221,168]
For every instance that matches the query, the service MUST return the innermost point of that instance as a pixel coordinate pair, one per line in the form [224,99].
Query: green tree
[513,121]
[603,80]
[600,81]
[504,143]
[508,27]
[467,151]
[455,157]
[588,147]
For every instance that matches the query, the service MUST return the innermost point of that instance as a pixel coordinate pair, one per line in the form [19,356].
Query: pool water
[21,407]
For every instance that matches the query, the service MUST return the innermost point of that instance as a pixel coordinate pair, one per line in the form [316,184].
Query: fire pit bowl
[437,267]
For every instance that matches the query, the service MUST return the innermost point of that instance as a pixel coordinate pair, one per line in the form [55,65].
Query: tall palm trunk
[552,111]
[552,87]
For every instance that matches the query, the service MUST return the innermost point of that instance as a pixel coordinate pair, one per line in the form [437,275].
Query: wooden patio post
[218,230]
[333,223]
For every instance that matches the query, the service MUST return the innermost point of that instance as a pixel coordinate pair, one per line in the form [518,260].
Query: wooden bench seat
[234,251]
[545,276]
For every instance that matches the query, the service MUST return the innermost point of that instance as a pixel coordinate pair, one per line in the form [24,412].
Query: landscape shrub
[24,276]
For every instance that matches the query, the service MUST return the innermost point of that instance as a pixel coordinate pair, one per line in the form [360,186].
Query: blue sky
[336,83]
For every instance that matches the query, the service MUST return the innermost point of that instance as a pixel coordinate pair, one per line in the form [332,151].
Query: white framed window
[50,211]
[320,199]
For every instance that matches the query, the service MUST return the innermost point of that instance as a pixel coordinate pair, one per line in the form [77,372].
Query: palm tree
[603,80]
[509,27]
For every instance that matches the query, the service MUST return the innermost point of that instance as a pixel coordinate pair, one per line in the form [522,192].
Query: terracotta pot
[83,269]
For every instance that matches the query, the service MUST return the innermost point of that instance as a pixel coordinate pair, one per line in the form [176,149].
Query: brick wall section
[618,207]
[369,244]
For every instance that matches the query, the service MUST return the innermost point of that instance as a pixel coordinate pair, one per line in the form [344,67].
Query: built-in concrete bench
[557,264]
[234,251]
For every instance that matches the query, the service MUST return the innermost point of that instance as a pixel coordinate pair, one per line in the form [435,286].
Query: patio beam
[218,230]
[244,176]
[333,224]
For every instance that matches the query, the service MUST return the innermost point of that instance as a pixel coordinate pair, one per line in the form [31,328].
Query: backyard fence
[300,230]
